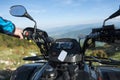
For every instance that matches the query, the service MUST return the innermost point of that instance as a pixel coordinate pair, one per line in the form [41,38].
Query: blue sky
[56,13]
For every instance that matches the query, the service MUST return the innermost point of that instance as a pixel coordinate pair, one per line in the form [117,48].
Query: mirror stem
[105,21]
[28,16]
[35,26]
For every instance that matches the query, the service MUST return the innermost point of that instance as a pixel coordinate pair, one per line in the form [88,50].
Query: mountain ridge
[73,31]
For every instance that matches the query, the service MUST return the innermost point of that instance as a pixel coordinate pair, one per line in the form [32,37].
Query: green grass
[13,50]
[116,56]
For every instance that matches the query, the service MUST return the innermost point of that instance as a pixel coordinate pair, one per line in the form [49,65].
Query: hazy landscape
[75,31]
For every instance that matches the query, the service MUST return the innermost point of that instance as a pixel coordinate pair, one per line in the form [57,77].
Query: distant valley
[74,31]
[71,31]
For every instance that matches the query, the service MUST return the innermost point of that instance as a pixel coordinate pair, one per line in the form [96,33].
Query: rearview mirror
[18,11]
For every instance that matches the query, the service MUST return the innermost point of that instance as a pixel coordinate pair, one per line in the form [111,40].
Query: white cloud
[37,11]
[78,1]
[68,1]
[1,14]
